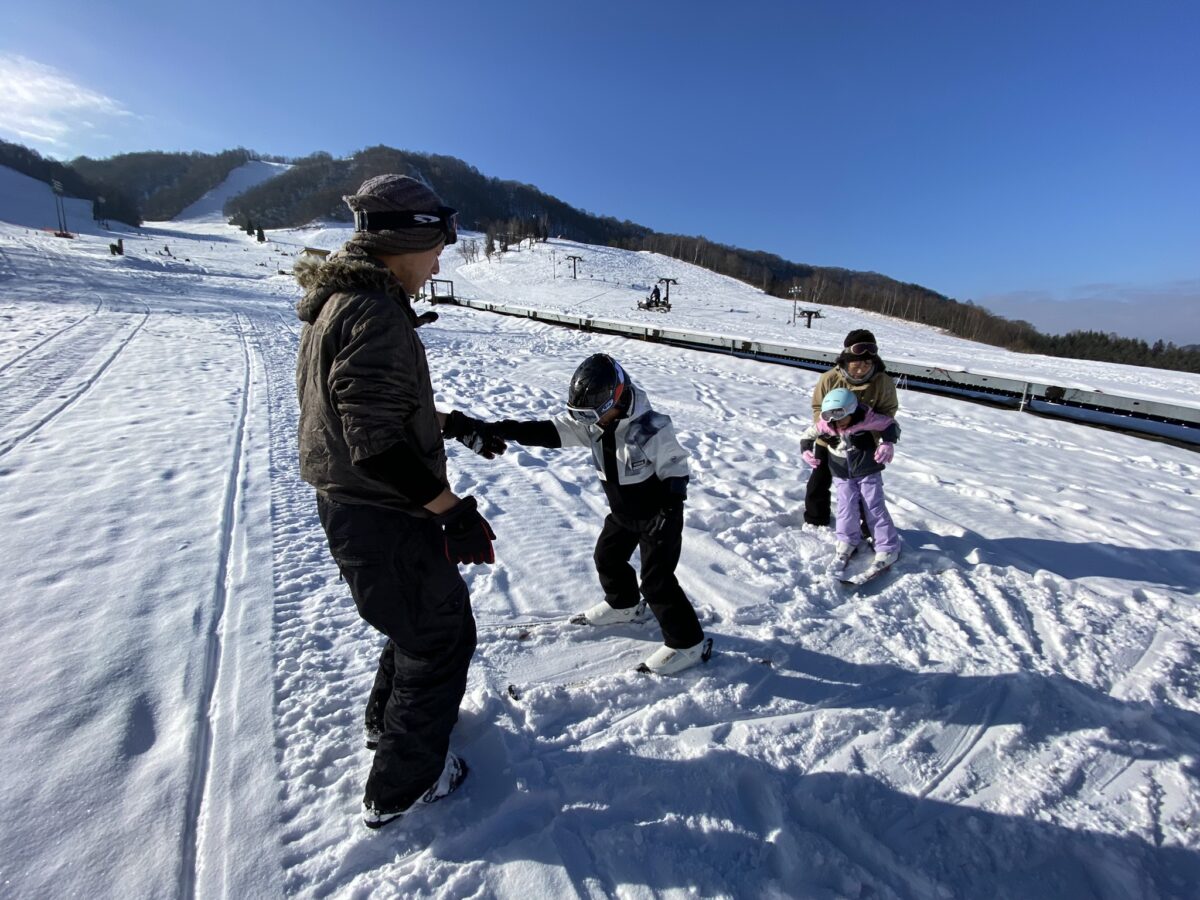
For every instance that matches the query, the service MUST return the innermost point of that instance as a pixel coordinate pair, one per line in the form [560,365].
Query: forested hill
[509,210]
[313,189]
[162,184]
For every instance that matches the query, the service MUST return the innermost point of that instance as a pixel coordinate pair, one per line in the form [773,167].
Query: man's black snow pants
[404,586]
[618,539]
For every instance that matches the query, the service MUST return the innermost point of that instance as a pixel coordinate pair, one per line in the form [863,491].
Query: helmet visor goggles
[590,415]
[862,349]
[832,415]
[445,218]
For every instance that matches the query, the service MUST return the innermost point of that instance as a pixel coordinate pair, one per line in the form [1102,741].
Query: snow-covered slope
[611,282]
[1014,712]
[29,202]
[209,207]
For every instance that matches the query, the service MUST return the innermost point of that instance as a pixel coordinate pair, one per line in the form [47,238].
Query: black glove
[474,434]
[468,535]
[668,521]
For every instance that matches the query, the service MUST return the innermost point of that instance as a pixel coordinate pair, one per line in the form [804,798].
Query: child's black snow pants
[620,536]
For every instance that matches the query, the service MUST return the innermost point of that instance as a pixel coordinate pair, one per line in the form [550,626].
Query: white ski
[516,690]
[869,574]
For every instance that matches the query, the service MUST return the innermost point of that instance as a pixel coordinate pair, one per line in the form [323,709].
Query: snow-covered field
[1014,712]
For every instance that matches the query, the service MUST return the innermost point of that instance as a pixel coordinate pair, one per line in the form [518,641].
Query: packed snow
[1013,711]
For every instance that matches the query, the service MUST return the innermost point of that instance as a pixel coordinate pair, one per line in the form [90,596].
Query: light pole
[795,291]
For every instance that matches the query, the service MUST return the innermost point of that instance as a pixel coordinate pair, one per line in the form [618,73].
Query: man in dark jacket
[371,443]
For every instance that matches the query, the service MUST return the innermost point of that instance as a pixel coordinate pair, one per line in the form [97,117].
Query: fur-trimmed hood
[321,279]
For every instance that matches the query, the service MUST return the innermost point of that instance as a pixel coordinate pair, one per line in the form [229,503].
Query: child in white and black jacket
[644,472]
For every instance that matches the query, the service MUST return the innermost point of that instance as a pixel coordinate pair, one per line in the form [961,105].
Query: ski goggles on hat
[864,348]
[445,218]
[838,412]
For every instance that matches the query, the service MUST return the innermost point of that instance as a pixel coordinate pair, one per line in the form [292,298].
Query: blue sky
[1037,158]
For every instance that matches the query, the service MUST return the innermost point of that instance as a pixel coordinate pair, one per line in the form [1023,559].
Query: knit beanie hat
[859,336]
[393,193]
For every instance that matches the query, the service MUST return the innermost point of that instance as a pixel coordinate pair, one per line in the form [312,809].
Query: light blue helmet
[837,404]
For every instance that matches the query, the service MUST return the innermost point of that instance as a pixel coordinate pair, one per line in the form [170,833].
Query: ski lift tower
[575,260]
[667,282]
[809,314]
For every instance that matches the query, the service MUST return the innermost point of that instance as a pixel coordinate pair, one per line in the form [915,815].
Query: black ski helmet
[597,386]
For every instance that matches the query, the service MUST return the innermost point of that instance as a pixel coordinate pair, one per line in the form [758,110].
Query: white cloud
[1170,311]
[41,106]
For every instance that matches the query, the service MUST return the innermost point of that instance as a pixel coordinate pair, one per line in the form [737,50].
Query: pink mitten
[811,458]
[884,453]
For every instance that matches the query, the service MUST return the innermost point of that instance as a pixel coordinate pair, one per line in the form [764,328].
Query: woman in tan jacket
[860,370]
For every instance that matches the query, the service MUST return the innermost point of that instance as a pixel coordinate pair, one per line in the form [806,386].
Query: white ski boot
[669,660]
[454,772]
[885,560]
[841,558]
[603,614]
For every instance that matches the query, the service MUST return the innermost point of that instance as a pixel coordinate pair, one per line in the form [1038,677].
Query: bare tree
[469,250]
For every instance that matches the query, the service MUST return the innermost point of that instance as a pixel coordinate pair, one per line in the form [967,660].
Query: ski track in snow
[213,639]
[49,379]
[53,334]
[1012,711]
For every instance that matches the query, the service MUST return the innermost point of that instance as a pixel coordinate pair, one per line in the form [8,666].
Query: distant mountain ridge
[159,186]
[314,187]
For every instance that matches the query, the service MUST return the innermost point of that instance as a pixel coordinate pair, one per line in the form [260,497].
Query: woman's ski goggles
[445,218]
[862,349]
